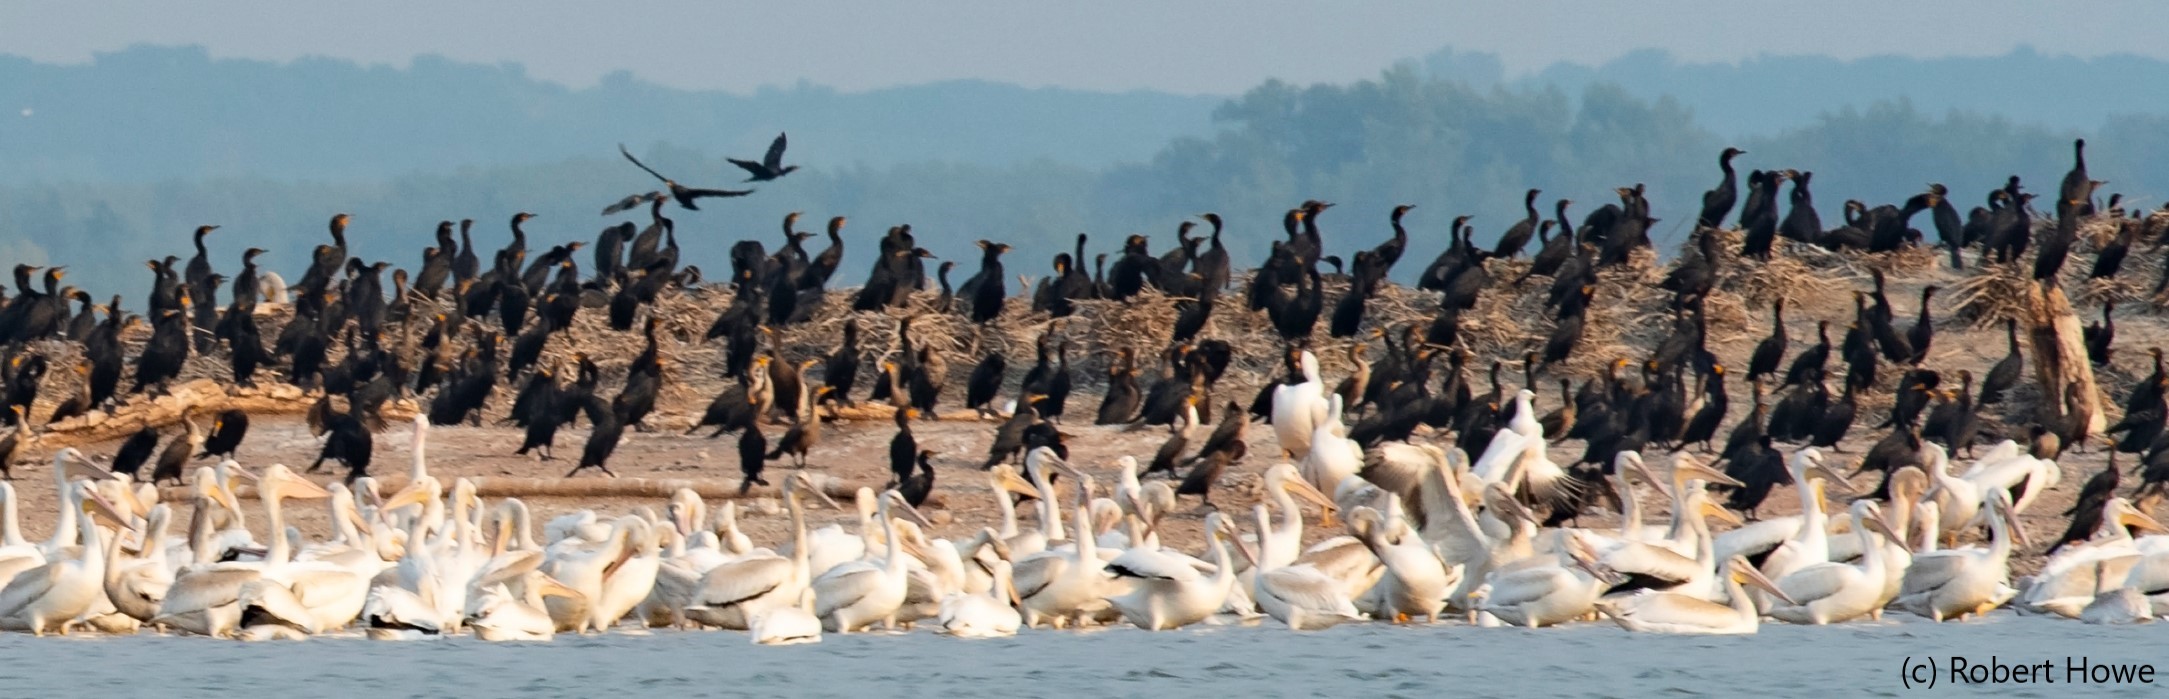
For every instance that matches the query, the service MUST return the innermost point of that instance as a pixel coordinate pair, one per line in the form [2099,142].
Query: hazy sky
[1218,47]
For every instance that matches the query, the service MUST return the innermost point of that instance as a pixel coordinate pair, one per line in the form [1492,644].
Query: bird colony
[1429,499]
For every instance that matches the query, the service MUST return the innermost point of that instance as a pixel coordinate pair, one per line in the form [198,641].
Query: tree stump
[2059,356]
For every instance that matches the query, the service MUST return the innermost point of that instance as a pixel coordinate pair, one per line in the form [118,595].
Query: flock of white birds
[1429,534]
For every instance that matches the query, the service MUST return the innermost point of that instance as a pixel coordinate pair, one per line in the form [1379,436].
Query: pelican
[1064,585]
[205,596]
[310,596]
[832,546]
[419,601]
[2069,581]
[1003,479]
[789,625]
[1958,500]
[1298,595]
[1299,407]
[1672,612]
[1538,596]
[738,593]
[1332,456]
[65,536]
[858,594]
[1956,583]
[16,554]
[136,586]
[1831,592]
[1416,581]
[1810,543]
[992,615]
[45,598]
[498,613]
[1169,593]
[1659,568]
[1281,545]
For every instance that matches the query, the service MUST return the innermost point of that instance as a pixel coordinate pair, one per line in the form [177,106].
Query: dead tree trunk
[2059,357]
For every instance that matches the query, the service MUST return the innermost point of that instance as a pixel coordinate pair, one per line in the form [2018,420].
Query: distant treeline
[1405,137]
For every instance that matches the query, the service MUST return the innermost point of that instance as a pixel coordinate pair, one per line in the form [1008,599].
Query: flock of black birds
[1676,398]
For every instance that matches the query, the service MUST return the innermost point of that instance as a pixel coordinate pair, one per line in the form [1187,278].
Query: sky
[1202,47]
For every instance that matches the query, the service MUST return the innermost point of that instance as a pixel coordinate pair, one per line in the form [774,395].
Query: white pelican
[1063,586]
[2022,471]
[992,615]
[324,596]
[1525,422]
[1003,479]
[353,544]
[1810,543]
[16,554]
[1671,612]
[2070,580]
[733,542]
[136,586]
[1956,583]
[1169,593]
[1332,456]
[47,597]
[627,577]
[1299,407]
[65,536]
[1416,581]
[1958,499]
[1659,568]
[736,594]
[205,596]
[499,613]
[833,546]
[859,594]
[1543,595]
[789,625]
[1298,595]
[422,576]
[1831,592]
[1279,546]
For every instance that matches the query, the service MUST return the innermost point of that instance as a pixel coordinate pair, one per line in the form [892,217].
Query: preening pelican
[1298,595]
[1672,612]
[498,613]
[1416,581]
[136,586]
[1166,591]
[992,615]
[789,625]
[1956,583]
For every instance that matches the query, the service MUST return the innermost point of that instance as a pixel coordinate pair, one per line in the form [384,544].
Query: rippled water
[1266,660]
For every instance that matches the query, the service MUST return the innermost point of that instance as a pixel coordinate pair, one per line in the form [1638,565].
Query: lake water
[1592,660]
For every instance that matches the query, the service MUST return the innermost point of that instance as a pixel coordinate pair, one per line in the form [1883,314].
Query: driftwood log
[523,487]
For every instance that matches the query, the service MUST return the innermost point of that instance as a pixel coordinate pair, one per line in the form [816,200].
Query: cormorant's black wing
[774,159]
[692,193]
[756,170]
[636,162]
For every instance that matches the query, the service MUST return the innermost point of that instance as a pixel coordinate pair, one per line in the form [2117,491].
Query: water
[1596,660]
